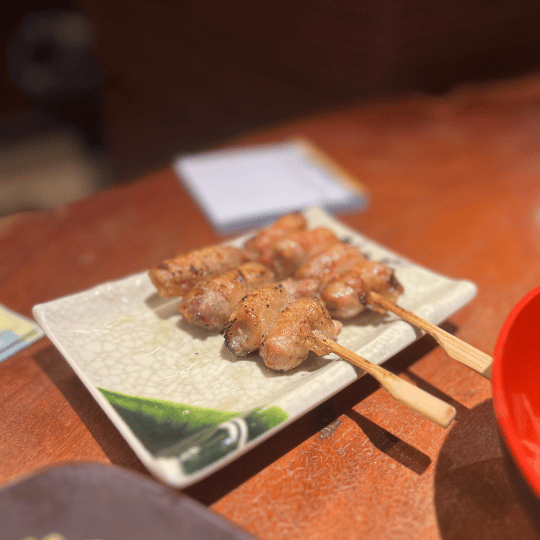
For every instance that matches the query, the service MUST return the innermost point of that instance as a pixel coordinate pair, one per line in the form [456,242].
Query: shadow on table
[228,478]
[473,495]
[406,455]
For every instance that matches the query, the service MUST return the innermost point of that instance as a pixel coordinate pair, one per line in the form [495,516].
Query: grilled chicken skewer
[285,340]
[210,289]
[256,313]
[347,279]
[177,276]
[210,304]
[290,339]
[305,325]
[288,320]
[212,280]
[349,293]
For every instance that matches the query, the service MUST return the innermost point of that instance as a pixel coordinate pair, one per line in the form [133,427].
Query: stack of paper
[245,188]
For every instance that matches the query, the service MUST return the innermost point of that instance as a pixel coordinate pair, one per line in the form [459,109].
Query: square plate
[184,403]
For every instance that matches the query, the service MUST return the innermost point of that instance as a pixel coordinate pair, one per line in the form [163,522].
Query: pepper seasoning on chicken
[210,304]
[175,277]
[256,313]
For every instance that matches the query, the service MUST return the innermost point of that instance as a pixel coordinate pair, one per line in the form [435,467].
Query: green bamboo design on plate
[197,436]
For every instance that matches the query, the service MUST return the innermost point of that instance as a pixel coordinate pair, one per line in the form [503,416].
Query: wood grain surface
[454,185]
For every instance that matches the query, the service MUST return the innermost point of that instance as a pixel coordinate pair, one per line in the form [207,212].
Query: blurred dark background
[120,88]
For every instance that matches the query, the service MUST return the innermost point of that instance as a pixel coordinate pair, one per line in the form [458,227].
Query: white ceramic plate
[183,402]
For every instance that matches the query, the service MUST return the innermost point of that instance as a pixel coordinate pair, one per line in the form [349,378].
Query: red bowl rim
[500,403]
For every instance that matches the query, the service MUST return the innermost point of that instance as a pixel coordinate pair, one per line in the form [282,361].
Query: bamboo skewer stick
[411,396]
[454,347]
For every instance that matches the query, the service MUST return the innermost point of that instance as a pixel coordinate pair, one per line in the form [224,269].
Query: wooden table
[455,186]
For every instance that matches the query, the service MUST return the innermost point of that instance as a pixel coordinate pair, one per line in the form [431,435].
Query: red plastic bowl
[515,380]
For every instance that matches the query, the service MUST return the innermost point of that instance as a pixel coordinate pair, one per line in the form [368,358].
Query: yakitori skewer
[416,399]
[454,347]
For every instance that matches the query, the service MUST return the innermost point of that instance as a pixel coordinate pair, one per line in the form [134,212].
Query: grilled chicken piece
[175,277]
[345,295]
[290,338]
[348,293]
[210,304]
[256,313]
[294,249]
[380,278]
[331,262]
[261,244]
